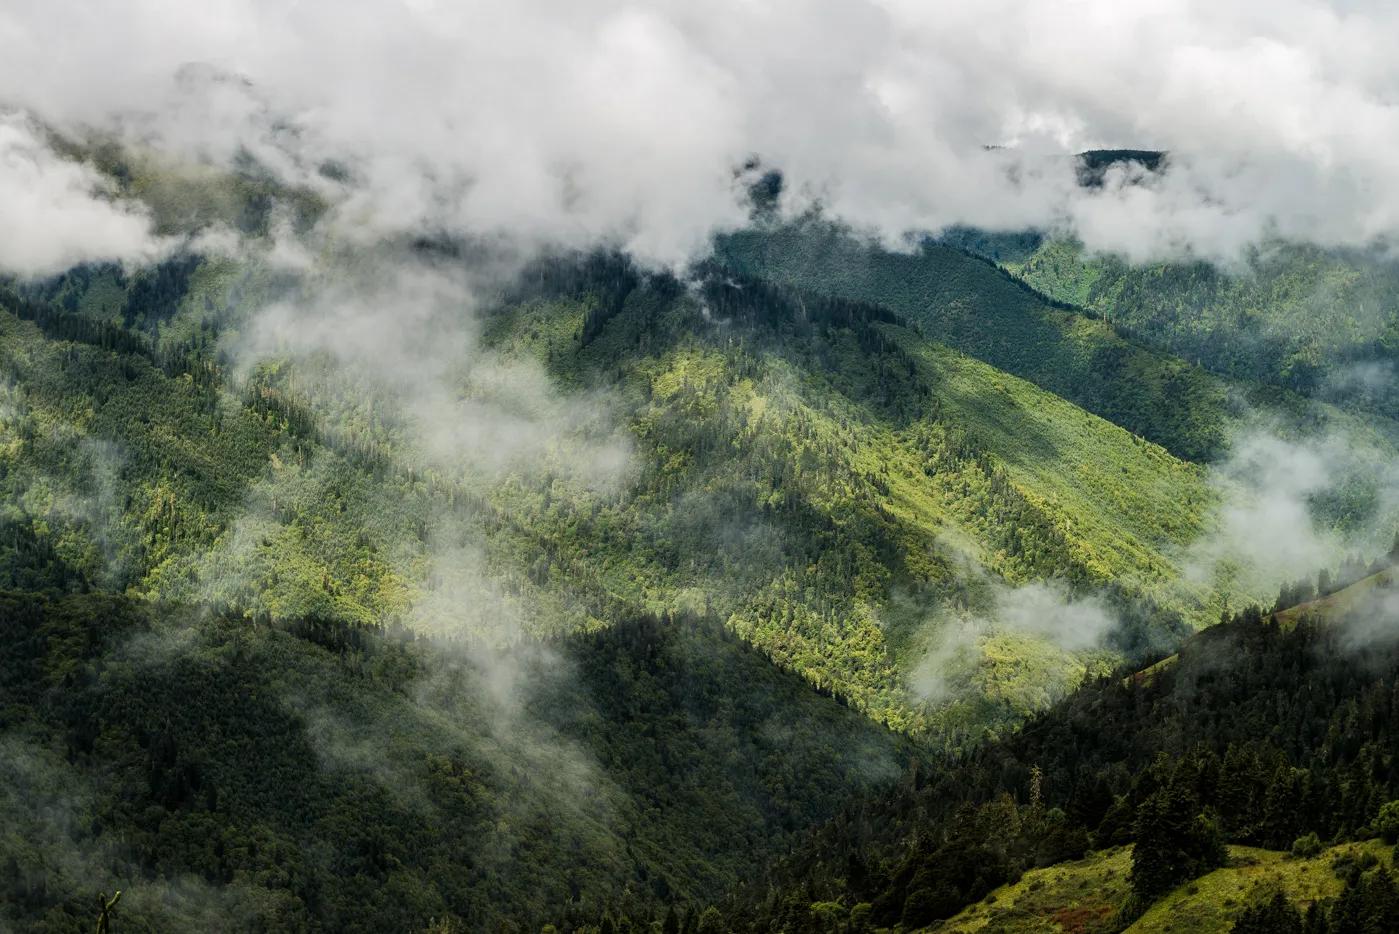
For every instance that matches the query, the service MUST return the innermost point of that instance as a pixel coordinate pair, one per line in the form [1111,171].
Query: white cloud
[1043,610]
[601,120]
[1290,505]
[56,213]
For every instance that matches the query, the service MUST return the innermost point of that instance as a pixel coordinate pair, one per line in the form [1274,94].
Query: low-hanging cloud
[1045,611]
[57,212]
[608,122]
[1292,505]
[396,341]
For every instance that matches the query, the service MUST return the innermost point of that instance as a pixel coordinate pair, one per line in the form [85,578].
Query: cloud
[58,213]
[604,121]
[1373,621]
[1046,609]
[395,341]
[1290,505]
[1043,611]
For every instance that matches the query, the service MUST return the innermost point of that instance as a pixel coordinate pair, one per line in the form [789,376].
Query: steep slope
[813,471]
[1261,735]
[1360,595]
[972,305]
[1320,322]
[1351,599]
[237,777]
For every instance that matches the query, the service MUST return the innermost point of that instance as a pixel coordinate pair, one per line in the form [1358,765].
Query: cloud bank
[56,213]
[605,121]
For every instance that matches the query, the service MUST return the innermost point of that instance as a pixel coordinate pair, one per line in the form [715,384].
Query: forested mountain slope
[1039,332]
[1324,323]
[749,562]
[236,776]
[1262,735]
[811,470]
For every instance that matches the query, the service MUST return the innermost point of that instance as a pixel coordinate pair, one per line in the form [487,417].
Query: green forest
[815,587]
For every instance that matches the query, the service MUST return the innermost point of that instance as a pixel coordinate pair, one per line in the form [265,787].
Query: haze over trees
[581,468]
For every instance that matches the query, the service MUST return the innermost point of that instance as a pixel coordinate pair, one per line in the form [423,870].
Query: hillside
[753,519]
[839,487]
[1323,323]
[1356,595]
[1260,738]
[968,304]
[394,781]
[1039,331]
[1085,896]
[764,468]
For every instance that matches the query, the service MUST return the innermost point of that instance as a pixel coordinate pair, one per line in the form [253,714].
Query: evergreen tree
[1175,842]
[1273,916]
[1370,906]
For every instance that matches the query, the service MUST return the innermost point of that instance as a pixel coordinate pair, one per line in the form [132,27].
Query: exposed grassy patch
[1337,605]
[1084,897]
[1210,903]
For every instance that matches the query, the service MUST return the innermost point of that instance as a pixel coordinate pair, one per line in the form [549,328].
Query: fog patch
[395,343]
[59,213]
[1372,620]
[1292,504]
[602,123]
[1045,612]
[45,804]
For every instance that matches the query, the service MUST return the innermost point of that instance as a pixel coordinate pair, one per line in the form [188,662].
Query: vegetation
[810,470]
[970,305]
[1258,735]
[1046,324]
[1257,890]
[1319,322]
[272,661]
[392,785]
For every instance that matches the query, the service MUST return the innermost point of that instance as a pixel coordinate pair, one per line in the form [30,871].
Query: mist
[59,212]
[1293,503]
[48,805]
[605,123]
[418,471]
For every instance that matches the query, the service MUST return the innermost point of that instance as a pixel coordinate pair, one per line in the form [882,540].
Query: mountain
[1112,809]
[232,775]
[1319,322]
[831,479]
[1052,338]
[417,585]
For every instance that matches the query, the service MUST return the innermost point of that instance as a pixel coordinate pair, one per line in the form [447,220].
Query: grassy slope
[1337,605]
[1131,500]
[1083,897]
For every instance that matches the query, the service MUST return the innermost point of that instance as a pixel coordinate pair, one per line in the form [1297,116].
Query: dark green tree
[1176,842]
[1369,906]
[106,908]
[1271,916]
